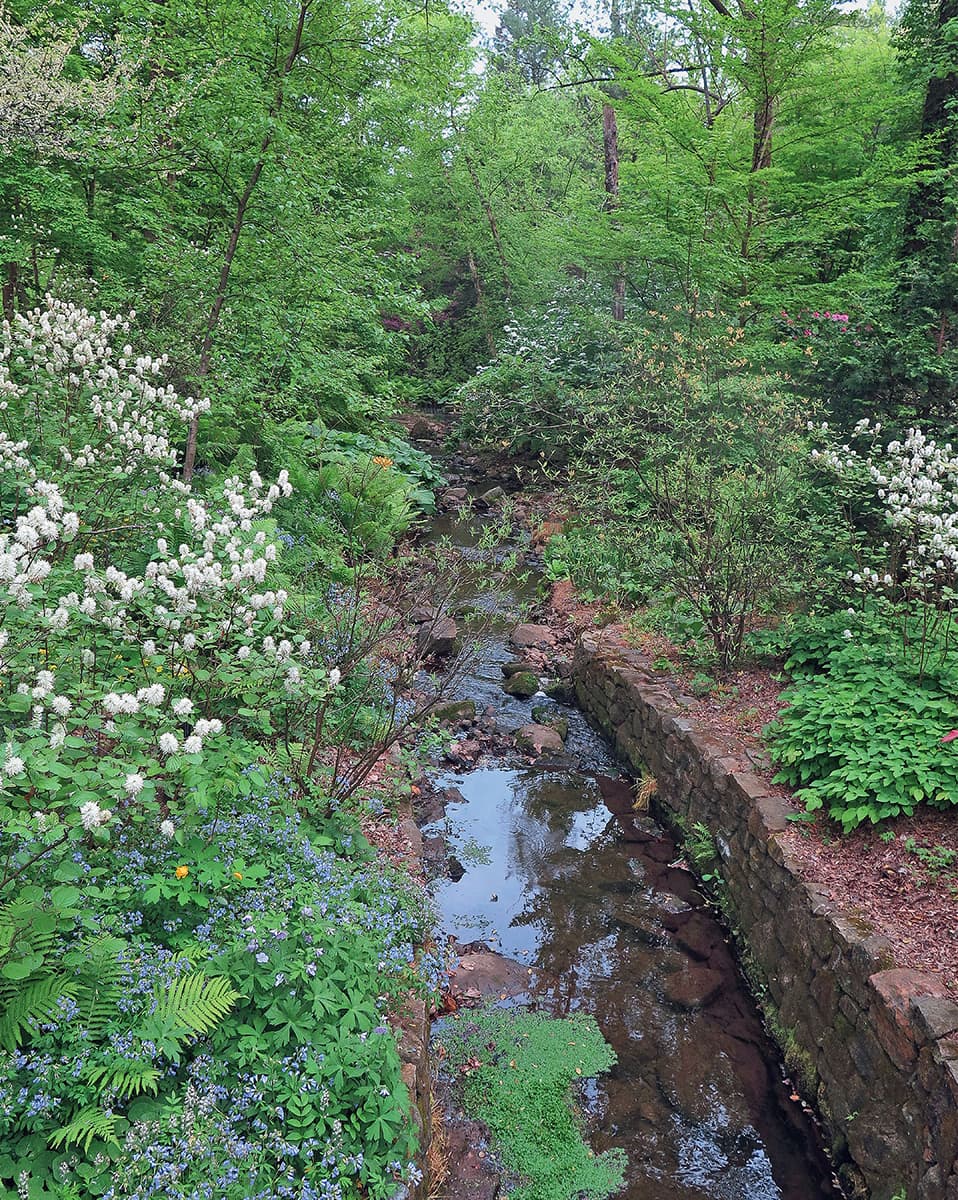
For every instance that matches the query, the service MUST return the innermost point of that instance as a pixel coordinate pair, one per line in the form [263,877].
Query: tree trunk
[610,147]
[216,309]
[490,220]
[11,271]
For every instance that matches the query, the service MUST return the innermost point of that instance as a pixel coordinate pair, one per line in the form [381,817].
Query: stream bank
[876,1045]
[558,895]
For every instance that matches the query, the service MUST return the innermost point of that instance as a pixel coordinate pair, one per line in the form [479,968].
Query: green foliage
[299,937]
[601,562]
[532,395]
[518,1072]
[937,860]
[862,739]
[695,471]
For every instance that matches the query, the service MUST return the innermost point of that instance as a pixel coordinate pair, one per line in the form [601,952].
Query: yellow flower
[237,875]
[182,872]
[382,460]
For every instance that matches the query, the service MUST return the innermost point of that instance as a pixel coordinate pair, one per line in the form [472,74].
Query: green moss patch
[517,1071]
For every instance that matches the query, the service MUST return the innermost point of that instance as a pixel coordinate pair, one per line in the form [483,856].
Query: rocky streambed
[560,895]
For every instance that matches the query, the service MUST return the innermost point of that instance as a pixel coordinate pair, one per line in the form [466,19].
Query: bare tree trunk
[610,147]
[216,309]
[490,216]
[763,121]
[10,290]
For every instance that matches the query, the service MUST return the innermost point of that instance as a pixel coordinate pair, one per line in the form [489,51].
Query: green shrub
[536,395]
[862,739]
[701,470]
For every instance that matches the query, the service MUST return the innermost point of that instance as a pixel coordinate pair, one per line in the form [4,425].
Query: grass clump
[517,1072]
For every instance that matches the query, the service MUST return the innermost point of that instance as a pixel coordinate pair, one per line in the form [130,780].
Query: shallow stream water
[561,875]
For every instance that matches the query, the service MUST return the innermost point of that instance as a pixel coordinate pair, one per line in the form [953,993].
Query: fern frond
[33,1003]
[100,987]
[88,1124]
[195,1001]
[97,1008]
[124,1079]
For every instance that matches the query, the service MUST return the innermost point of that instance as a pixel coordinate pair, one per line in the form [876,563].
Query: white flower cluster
[917,482]
[117,398]
[22,560]
[92,816]
[37,91]
[191,597]
[14,765]
[83,639]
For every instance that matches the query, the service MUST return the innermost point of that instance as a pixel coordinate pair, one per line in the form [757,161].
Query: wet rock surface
[485,974]
[538,739]
[539,637]
[692,987]
[523,684]
[438,637]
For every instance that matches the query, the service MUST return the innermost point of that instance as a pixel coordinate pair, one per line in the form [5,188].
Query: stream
[549,865]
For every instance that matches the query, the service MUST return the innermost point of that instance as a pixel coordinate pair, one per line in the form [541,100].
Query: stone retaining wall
[877,1043]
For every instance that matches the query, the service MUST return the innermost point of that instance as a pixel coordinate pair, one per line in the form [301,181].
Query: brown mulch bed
[877,875]
[874,872]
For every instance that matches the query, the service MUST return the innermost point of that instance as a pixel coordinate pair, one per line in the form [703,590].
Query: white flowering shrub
[88,418]
[912,565]
[138,627]
[41,101]
[172,923]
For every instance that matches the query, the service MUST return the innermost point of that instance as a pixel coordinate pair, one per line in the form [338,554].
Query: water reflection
[609,926]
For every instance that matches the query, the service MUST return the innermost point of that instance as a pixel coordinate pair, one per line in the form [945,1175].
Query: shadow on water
[561,875]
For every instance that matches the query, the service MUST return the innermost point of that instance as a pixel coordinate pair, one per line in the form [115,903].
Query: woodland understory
[693,266]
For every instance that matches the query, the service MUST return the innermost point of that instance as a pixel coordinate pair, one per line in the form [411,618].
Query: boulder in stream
[539,636]
[693,987]
[437,638]
[560,690]
[484,973]
[523,684]
[539,739]
[421,431]
[544,715]
[455,710]
[515,666]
